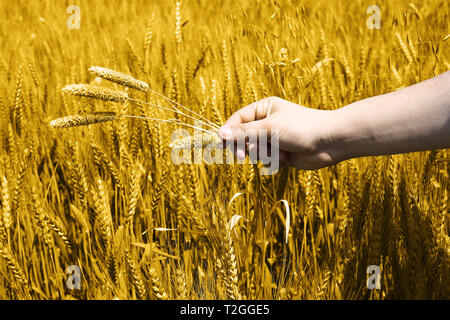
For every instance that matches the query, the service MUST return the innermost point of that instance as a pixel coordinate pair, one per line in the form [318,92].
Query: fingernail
[240,154]
[225,131]
[251,146]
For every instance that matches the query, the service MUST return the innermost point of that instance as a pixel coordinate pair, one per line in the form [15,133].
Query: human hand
[416,118]
[304,133]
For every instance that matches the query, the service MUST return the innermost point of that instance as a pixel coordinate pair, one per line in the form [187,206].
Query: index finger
[255,111]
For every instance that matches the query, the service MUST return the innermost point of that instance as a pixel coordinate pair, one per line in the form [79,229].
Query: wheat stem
[214,126]
[180,105]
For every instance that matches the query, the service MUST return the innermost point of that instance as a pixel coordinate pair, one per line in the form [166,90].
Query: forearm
[415,118]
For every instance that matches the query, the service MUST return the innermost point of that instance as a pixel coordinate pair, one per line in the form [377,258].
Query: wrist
[346,134]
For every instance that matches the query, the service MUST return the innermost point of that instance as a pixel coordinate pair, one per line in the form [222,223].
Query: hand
[415,118]
[303,132]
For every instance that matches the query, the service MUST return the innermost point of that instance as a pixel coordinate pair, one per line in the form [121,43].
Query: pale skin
[415,118]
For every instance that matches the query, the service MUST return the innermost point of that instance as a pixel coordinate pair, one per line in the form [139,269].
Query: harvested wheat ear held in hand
[197,141]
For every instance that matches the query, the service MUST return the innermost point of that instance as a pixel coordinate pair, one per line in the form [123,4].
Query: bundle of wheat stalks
[107,198]
[107,94]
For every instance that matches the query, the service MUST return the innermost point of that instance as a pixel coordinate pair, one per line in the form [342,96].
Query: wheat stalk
[156,285]
[103,214]
[96,92]
[197,141]
[13,266]
[126,80]
[119,78]
[83,119]
[136,276]
[5,217]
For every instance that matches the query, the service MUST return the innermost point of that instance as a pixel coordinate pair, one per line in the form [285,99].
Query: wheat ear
[83,119]
[119,78]
[96,92]
[129,81]
[98,117]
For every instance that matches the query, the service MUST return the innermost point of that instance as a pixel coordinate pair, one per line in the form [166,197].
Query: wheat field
[108,199]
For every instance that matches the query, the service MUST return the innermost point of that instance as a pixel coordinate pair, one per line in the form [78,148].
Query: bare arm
[415,118]
[412,119]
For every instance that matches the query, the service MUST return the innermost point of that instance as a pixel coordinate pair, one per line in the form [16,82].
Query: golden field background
[92,197]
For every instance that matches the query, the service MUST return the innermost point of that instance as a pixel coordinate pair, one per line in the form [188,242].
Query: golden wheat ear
[129,81]
[83,119]
[119,78]
[96,92]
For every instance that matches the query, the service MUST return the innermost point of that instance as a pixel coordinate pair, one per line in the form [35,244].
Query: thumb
[242,130]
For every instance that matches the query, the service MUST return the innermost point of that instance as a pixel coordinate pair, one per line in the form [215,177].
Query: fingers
[258,110]
[248,120]
[255,111]
[243,130]
[246,124]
